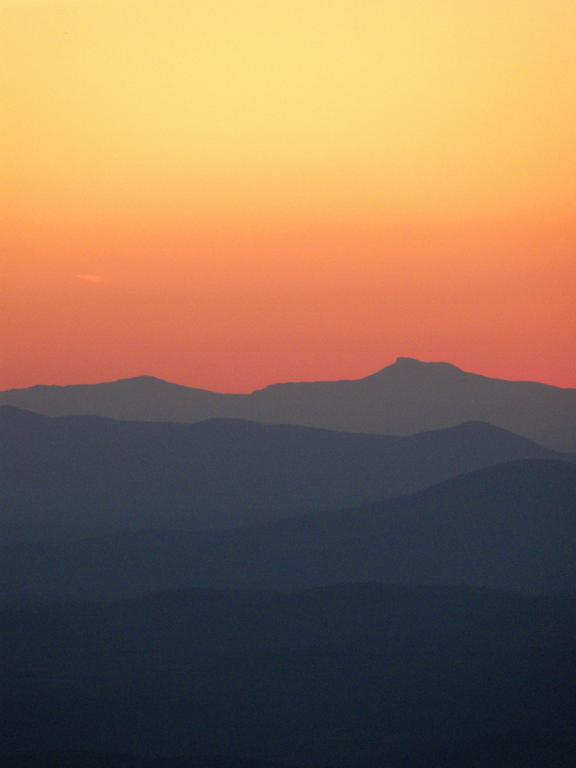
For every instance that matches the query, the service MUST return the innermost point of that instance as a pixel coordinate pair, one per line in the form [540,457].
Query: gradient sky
[227,194]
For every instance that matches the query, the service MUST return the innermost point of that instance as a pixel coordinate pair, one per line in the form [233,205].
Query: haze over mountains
[512,526]
[70,477]
[367,574]
[405,398]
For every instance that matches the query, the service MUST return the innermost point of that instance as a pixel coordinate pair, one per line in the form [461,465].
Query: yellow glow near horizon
[378,107]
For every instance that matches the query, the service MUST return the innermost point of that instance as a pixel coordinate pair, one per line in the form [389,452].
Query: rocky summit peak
[408,361]
[412,362]
[411,366]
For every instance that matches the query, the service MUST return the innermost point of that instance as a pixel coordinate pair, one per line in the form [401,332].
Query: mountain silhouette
[404,398]
[512,526]
[340,574]
[72,477]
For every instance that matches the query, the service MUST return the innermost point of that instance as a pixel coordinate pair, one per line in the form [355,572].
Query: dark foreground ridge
[110,760]
[514,752]
[356,675]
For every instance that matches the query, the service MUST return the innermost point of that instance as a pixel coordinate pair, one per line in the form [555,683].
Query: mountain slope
[359,674]
[512,526]
[407,397]
[72,477]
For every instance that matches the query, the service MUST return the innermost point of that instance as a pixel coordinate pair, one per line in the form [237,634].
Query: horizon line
[400,359]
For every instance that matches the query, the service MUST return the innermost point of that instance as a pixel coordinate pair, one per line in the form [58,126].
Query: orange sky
[230,194]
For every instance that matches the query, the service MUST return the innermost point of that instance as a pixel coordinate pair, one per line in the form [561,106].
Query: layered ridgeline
[404,398]
[71,477]
[169,588]
[512,526]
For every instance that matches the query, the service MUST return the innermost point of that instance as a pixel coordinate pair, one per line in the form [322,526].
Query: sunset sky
[229,193]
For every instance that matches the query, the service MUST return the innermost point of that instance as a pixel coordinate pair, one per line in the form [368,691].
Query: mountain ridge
[512,526]
[73,476]
[404,398]
[401,362]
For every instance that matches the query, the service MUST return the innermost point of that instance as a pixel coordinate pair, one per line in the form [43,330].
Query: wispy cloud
[89,278]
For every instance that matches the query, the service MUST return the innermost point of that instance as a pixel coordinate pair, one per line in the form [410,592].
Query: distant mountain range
[512,526]
[405,398]
[355,574]
[71,477]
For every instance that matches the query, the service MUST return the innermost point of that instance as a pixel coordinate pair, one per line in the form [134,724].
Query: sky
[228,193]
